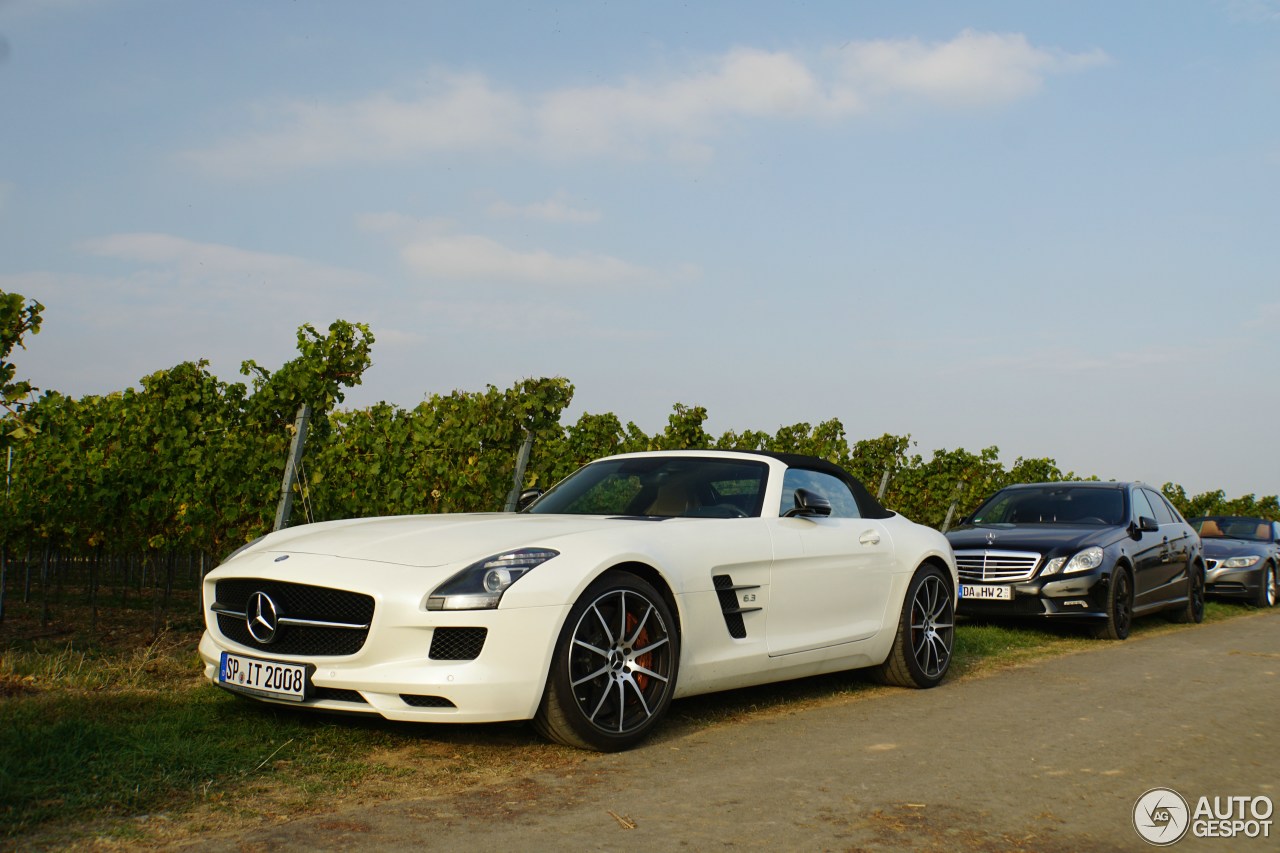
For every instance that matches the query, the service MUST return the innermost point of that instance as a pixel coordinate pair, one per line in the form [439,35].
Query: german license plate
[980,592]
[269,678]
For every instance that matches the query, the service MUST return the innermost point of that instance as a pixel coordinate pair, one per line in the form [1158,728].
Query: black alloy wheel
[614,669]
[1193,610]
[1119,619]
[921,653]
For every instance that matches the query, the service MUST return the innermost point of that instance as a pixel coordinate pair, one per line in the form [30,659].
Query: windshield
[1233,527]
[1053,505]
[661,486]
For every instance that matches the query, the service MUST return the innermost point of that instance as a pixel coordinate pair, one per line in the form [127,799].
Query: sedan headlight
[480,585]
[1089,558]
[1240,562]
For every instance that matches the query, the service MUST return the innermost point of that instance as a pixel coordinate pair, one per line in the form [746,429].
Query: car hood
[434,540]
[1221,549]
[1038,537]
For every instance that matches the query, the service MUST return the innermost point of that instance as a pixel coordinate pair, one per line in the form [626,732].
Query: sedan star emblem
[262,618]
[991,539]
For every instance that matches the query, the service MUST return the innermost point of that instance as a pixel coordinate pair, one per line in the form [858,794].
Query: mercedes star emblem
[262,617]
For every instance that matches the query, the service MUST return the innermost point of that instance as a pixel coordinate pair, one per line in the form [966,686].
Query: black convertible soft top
[867,504]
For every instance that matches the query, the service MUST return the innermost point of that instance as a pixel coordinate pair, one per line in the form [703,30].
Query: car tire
[1119,619]
[614,668]
[1267,588]
[1193,610]
[922,648]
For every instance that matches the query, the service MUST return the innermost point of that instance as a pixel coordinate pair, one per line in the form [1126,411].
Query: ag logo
[1161,816]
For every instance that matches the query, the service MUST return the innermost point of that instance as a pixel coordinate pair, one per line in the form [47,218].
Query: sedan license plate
[269,678]
[979,592]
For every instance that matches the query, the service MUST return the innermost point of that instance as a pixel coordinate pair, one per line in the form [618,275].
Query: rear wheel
[614,669]
[1193,610]
[1267,589]
[921,651]
[1119,608]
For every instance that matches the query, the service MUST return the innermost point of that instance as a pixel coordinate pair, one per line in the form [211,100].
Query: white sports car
[639,579]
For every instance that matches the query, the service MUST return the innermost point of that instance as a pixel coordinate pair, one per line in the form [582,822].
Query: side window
[1164,514]
[843,504]
[1141,506]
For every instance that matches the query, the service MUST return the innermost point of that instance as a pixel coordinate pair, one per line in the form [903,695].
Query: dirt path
[1048,757]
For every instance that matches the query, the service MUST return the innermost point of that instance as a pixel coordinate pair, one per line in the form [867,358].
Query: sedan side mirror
[527,497]
[809,504]
[1147,524]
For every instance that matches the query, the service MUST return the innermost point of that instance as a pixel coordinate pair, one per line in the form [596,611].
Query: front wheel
[1267,589]
[1119,607]
[921,651]
[613,672]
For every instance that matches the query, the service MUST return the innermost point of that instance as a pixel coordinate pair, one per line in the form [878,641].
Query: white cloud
[558,208]
[972,69]
[472,257]
[675,115]
[230,270]
[1267,316]
[742,83]
[456,113]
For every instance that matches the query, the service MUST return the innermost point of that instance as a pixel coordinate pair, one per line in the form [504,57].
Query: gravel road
[1051,756]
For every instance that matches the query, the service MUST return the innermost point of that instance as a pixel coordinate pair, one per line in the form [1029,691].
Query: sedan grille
[996,566]
[314,621]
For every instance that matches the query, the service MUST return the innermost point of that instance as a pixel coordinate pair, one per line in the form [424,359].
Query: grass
[123,739]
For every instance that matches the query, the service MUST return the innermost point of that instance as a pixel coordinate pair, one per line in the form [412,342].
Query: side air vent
[728,594]
[426,701]
[457,643]
[334,694]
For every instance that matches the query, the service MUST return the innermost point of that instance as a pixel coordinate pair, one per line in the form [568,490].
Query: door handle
[870,537]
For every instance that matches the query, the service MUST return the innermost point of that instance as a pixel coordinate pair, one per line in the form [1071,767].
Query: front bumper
[1234,583]
[394,675]
[1080,596]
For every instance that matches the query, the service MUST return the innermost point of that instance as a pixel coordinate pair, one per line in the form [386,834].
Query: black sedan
[1100,553]
[1240,555]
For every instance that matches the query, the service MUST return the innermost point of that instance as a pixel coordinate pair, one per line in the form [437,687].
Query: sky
[1052,227]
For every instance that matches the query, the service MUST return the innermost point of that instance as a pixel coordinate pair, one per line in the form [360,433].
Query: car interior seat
[1209,527]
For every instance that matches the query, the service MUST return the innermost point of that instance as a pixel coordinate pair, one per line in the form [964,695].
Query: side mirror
[1148,525]
[809,504]
[527,497]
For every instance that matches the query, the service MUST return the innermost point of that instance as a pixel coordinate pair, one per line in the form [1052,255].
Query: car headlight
[480,585]
[1089,558]
[1239,562]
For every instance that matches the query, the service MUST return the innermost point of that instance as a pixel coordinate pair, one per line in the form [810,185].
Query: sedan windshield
[1053,505]
[664,487]
[1233,527]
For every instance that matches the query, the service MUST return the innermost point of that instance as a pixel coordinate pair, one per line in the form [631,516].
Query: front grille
[457,643]
[302,602]
[996,566]
[426,701]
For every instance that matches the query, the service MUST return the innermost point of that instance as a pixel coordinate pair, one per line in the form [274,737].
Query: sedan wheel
[921,651]
[1267,589]
[614,669]
[1193,610]
[1119,607]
